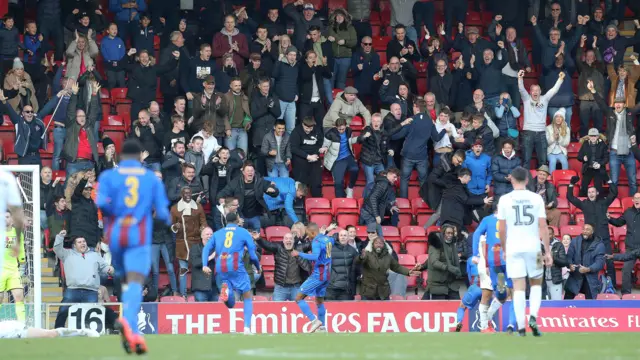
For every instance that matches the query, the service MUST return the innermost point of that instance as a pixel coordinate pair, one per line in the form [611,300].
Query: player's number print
[497,230]
[133,184]
[228,239]
[522,211]
[329,246]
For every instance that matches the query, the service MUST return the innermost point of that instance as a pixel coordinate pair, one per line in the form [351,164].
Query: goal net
[28,181]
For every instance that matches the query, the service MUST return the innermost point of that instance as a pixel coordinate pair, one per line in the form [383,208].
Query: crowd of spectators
[250,110]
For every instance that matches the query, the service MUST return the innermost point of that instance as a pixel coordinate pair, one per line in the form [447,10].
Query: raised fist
[574,180]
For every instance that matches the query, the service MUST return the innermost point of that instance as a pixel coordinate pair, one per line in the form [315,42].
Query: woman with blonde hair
[280,51]
[558,137]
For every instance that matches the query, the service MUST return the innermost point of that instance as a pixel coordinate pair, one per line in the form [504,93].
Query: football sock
[247,305]
[306,310]
[519,307]
[535,299]
[493,308]
[483,315]
[322,311]
[131,298]
[66,332]
[512,317]
[460,314]
[20,313]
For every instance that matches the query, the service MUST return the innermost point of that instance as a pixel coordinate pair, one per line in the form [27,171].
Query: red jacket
[221,46]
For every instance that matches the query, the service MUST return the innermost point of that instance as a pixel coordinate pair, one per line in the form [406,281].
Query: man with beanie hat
[621,135]
[285,74]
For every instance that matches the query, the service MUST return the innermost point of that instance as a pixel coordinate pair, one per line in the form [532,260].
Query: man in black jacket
[595,212]
[594,154]
[377,202]
[442,177]
[222,167]
[553,273]
[316,70]
[289,270]
[84,214]
[306,146]
[249,189]
[170,82]
[160,246]
[342,285]
[456,199]
[171,164]
[631,218]
[150,137]
[265,109]
[203,285]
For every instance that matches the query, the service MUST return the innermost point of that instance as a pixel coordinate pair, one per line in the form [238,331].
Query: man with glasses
[30,129]
[365,63]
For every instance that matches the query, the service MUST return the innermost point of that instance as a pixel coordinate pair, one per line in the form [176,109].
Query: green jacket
[345,32]
[374,271]
[441,266]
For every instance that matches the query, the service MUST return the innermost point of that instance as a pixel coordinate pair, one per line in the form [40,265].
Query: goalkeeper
[13,265]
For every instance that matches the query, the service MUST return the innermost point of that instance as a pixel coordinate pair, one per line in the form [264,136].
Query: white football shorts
[12,329]
[525,264]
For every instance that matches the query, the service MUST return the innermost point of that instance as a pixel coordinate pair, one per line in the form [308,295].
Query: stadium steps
[51,290]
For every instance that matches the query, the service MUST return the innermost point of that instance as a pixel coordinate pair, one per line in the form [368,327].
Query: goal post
[28,181]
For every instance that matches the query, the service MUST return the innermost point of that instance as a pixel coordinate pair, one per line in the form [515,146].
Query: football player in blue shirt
[128,196]
[229,244]
[316,284]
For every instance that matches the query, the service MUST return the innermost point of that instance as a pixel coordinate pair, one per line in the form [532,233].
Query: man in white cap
[302,21]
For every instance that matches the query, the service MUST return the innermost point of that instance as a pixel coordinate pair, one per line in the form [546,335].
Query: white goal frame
[37,236]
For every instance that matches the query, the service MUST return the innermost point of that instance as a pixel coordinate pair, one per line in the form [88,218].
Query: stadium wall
[394,316]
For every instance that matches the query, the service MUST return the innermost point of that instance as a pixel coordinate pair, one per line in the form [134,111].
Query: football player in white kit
[522,223]
[17,330]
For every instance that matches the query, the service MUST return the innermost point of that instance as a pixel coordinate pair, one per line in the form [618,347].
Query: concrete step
[52,291]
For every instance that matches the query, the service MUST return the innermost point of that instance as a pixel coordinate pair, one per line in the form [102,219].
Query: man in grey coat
[82,268]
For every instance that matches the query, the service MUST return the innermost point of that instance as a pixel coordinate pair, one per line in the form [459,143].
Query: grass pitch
[416,346]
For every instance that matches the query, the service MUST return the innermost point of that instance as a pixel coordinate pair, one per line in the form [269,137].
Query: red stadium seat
[396,297]
[260,298]
[268,263]
[173,299]
[563,204]
[626,202]
[276,233]
[380,44]
[391,233]
[631,297]
[608,297]
[412,233]
[572,230]
[191,298]
[562,176]
[357,123]
[408,261]
[269,282]
[344,206]
[421,259]
[573,149]
[418,206]
[119,95]
[405,216]
[579,297]
[413,297]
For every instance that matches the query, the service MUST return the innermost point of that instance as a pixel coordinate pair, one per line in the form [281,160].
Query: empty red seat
[406,260]
[119,95]
[7,138]
[413,297]
[191,298]
[421,259]
[268,262]
[391,233]
[276,233]
[579,297]
[269,282]
[572,230]
[412,233]
[631,297]
[260,298]
[607,297]
[562,176]
[173,299]
[395,297]
[344,206]
[626,203]
[357,123]
[380,44]
[418,206]
[405,216]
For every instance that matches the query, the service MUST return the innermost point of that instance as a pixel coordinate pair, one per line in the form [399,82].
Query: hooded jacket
[143,80]
[286,78]
[344,31]
[441,177]
[443,265]
[81,269]
[342,108]
[375,266]
[480,167]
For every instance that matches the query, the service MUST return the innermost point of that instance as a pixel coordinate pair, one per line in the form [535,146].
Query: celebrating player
[230,243]
[9,201]
[127,197]
[522,222]
[316,284]
[479,288]
[14,260]
[17,330]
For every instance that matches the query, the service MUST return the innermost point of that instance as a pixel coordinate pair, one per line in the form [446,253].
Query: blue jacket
[416,136]
[593,258]
[113,52]
[143,39]
[23,131]
[480,167]
[363,79]
[286,198]
[32,43]
[507,119]
[124,15]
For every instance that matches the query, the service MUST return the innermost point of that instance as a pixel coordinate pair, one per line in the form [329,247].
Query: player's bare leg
[485,321]
[132,341]
[535,300]
[248,311]
[33,333]
[520,304]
